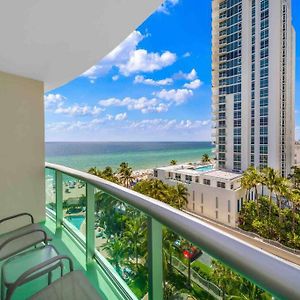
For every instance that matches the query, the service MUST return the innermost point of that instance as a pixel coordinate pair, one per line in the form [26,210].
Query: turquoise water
[139,155]
[76,220]
[205,168]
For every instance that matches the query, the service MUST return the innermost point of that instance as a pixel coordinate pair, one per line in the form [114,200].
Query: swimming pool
[205,168]
[76,220]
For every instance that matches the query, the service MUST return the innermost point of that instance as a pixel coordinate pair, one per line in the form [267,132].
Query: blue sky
[155,86]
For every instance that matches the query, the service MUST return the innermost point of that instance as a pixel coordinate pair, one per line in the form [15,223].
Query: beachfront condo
[253,69]
[43,255]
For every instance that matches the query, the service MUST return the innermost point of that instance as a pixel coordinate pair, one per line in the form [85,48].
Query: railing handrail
[271,273]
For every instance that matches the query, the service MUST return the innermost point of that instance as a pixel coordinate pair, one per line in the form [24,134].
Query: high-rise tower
[253,73]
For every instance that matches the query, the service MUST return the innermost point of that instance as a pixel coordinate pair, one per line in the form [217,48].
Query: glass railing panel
[191,271]
[74,203]
[50,185]
[121,238]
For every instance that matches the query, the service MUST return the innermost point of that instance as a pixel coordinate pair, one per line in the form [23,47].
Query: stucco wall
[21,147]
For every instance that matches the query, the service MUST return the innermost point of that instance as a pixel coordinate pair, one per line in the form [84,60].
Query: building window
[169,174]
[217,202]
[229,219]
[193,195]
[221,184]
[217,215]
[188,178]
[201,209]
[202,198]
[206,181]
[229,206]
[193,206]
[177,176]
[197,179]
[238,205]
[155,173]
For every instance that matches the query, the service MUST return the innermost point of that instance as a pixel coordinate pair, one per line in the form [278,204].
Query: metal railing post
[90,222]
[155,263]
[59,198]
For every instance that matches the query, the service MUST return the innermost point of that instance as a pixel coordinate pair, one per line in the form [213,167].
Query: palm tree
[295,177]
[251,179]
[294,197]
[173,162]
[135,238]
[246,184]
[178,196]
[270,179]
[205,158]
[125,174]
[116,251]
[94,171]
[281,190]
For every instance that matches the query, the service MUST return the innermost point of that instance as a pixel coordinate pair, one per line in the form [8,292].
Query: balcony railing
[119,206]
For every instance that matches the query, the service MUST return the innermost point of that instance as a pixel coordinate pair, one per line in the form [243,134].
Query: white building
[253,73]
[214,194]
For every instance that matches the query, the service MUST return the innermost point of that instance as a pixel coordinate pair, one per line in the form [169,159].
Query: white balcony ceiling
[55,41]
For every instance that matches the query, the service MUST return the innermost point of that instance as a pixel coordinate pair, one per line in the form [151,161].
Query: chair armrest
[16,216]
[44,239]
[26,275]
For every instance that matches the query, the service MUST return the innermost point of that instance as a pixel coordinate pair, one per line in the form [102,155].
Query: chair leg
[2,287]
[49,278]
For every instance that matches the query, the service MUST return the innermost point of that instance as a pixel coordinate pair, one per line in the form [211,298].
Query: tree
[117,252]
[281,190]
[154,188]
[125,174]
[94,171]
[294,197]
[173,162]
[205,158]
[295,177]
[270,180]
[246,184]
[178,196]
[135,238]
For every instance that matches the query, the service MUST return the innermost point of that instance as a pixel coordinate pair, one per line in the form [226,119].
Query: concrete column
[22,183]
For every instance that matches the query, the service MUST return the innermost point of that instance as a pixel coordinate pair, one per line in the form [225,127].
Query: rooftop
[201,170]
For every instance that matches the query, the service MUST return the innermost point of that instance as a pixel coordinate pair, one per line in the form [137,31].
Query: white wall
[21,147]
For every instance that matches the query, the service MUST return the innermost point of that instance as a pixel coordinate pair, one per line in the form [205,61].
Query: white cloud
[166,5]
[179,96]
[165,124]
[121,116]
[149,81]
[142,61]
[115,77]
[195,84]
[187,76]
[53,99]
[128,59]
[142,104]
[78,110]
[187,54]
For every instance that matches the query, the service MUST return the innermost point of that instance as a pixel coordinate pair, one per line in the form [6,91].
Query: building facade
[253,70]
[214,194]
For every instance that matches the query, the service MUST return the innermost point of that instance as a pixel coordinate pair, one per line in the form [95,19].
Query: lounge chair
[27,266]
[22,238]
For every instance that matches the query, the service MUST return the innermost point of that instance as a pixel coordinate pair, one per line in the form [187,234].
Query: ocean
[139,155]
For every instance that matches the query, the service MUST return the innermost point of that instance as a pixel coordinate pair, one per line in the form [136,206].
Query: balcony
[101,200]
